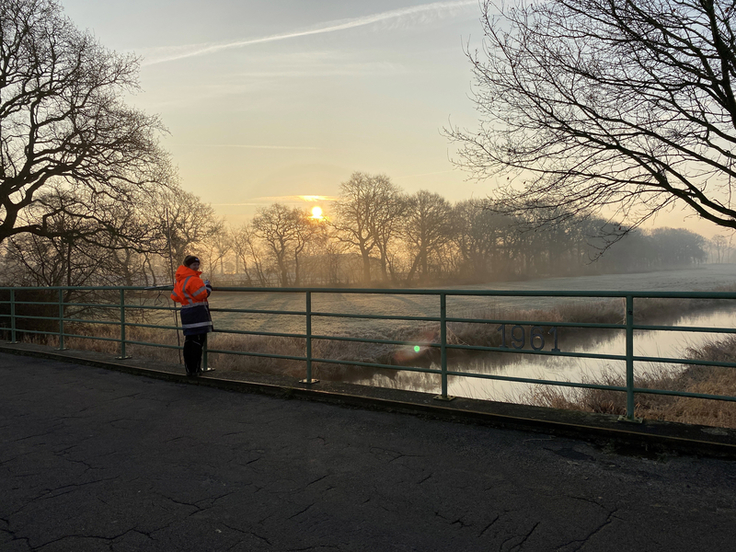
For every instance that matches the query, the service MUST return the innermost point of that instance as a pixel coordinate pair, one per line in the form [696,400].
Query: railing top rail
[410,291]
[88,288]
[501,293]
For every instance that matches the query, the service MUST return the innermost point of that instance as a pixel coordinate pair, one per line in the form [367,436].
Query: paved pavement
[101,460]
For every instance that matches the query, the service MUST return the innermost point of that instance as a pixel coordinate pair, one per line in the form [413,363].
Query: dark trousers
[193,345]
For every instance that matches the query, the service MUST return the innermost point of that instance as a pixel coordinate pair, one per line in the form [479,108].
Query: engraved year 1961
[518,337]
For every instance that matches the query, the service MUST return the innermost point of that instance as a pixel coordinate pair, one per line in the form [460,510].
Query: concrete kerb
[648,438]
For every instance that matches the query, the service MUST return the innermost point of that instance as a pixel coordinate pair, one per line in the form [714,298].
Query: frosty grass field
[702,278]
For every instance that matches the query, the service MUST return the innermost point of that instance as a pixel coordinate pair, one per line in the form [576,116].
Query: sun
[317,213]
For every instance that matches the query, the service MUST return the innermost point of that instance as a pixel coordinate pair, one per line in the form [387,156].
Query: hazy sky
[268,100]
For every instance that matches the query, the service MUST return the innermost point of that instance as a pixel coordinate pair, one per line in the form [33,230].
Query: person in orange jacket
[196,321]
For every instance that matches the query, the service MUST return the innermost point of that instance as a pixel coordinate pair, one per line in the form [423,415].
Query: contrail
[330,28]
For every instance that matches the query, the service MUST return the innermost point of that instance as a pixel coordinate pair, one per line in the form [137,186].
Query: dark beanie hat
[190,259]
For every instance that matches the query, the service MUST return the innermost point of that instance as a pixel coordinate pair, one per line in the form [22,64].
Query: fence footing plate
[448,398]
[208,370]
[631,420]
[123,358]
[308,381]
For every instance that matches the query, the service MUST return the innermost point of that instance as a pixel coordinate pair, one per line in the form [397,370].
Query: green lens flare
[417,348]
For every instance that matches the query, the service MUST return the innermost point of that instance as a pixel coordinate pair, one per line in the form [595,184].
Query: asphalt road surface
[100,460]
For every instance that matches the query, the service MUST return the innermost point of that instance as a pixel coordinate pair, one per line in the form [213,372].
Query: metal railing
[512,341]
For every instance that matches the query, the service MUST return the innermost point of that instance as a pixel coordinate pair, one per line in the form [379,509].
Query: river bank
[712,380]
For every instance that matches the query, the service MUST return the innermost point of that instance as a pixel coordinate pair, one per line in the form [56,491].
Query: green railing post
[443,348]
[12,316]
[122,326]
[61,320]
[309,379]
[630,405]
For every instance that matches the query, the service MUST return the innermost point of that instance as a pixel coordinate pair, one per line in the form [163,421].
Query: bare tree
[308,232]
[63,260]
[678,246]
[367,217]
[387,221]
[332,268]
[184,221]
[719,247]
[286,232]
[63,123]
[621,107]
[215,249]
[94,240]
[480,236]
[249,255]
[428,227]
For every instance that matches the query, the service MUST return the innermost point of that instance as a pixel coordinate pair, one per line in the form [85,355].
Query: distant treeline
[374,234]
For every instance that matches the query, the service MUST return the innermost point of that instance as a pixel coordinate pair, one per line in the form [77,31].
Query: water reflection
[660,344]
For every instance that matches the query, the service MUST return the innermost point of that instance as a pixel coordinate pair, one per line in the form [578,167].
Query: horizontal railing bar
[155,326]
[380,341]
[34,332]
[535,381]
[92,305]
[89,288]
[47,303]
[686,394]
[471,347]
[685,361]
[147,344]
[149,307]
[31,317]
[533,352]
[377,316]
[81,321]
[251,353]
[727,295]
[700,329]
[265,334]
[117,340]
[534,323]
[115,306]
[376,365]
[255,311]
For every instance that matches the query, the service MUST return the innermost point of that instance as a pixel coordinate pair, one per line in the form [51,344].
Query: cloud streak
[253,146]
[342,25]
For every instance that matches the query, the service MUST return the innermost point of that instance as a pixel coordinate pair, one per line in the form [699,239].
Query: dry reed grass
[710,380]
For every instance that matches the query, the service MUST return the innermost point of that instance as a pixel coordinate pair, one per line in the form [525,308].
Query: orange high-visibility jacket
[189,287]
[192,293]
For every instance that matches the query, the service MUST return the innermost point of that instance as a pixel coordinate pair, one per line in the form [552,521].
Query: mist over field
[373,235]
[706,277]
